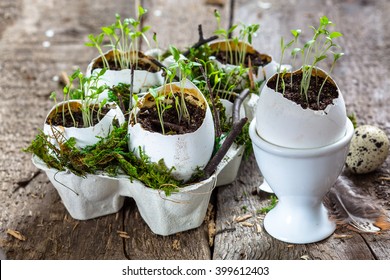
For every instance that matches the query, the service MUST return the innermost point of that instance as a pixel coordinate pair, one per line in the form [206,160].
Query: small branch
[217,158]
[158,63]
[237,105]
[238,124]
[131,88]
[218,131]
[121,104]
[201,40]
[231,17]
[178,128]
[162,66]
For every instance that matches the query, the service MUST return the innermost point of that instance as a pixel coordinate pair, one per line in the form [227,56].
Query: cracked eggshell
[84,136]
[283,122]
[368,150]
[185,152]
[143,80]
[263,73]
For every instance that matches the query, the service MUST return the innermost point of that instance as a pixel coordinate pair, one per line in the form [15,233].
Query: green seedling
[124,39]
[312,53]
[87,91]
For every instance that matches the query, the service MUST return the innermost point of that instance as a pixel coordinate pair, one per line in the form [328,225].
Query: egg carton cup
[97,195]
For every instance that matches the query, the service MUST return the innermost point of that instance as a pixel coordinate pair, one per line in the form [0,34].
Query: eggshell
[283,122]
[368,150]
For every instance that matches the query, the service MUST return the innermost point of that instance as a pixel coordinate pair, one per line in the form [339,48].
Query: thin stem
[218,131]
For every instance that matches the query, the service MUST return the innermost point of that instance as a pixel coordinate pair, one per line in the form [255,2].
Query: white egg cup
[300,179]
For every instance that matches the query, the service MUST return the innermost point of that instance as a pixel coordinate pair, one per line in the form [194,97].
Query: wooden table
[41,39]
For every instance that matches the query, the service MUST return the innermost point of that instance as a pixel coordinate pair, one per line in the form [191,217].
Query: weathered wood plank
[30,59]
[45,39]
[176,22]
[181,30]
[362,78]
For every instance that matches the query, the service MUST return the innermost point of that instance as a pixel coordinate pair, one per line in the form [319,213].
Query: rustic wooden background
[40,39]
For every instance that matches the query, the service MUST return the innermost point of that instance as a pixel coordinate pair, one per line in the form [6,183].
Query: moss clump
[109,155]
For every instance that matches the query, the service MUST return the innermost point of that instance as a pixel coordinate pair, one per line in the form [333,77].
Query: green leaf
[153,92]
[308,44]
[335,35]
[324,21]
[107,30]
[217,14]
[289,44]
[337,56]
[89,44]
[231,29]
[318,59]
[141,11]
[296,32]
[295,51]
[220,32]
[145,28]
[175,52]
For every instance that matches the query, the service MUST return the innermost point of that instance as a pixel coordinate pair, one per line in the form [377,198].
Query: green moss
[110,155]
[353,119]
[264,210]
[244,139]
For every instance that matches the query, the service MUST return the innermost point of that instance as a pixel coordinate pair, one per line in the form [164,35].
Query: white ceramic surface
[265,187]
[84,136]
[300,178]
[185,152]
[285,123]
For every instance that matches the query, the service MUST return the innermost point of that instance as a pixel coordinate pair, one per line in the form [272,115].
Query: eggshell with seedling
[368,150]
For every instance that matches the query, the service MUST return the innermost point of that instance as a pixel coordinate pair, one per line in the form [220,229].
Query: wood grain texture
[362,76]
[29,72]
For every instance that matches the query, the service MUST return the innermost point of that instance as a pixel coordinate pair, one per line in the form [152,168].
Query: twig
[231,16]
[213,163]
[162,66]
[218,131]
[237,104]
[238,124]
[201,40]
[158,63]
[131,89]
[178,128]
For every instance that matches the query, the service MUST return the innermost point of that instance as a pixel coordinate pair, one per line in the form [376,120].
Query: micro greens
[124,36]
[87,92]
[313,52]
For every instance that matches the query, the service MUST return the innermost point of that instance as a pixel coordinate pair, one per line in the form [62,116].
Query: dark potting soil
[328,92]
[148,118]
[225,58]
[140,65]
[58,120]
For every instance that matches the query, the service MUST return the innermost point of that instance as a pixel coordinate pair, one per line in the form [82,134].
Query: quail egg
[368,149]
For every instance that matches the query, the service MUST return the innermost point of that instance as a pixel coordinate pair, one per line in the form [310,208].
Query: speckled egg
[368,149]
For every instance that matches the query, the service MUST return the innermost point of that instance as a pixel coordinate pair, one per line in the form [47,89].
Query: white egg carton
[99,195]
